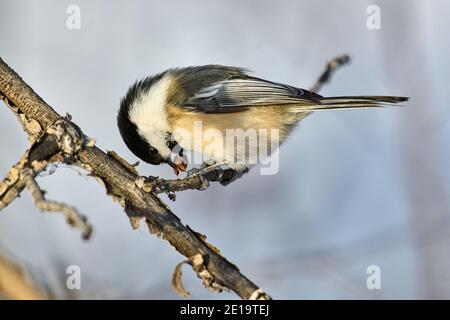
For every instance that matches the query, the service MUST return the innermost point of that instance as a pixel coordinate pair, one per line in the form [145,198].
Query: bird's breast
[234,136]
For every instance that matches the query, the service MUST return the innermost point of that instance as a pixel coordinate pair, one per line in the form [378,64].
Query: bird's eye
[152,150]
[171,144]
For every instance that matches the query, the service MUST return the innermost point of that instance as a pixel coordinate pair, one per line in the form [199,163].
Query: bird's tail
[348,102]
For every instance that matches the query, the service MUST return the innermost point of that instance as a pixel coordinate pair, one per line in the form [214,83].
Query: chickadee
[158,114]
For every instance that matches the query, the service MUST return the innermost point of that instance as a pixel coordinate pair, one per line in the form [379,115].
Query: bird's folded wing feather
[238,94]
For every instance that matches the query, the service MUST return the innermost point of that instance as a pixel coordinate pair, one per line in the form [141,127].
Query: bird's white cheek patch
[149,110]
[149,115]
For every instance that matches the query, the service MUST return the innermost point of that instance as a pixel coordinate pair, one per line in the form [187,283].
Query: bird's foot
[216,172]
[209,170]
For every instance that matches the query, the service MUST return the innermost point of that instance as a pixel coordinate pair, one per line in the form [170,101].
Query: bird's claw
[205,169]
[215,172]
[205,183]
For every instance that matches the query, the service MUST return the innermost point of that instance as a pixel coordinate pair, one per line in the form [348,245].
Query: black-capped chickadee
[161,116]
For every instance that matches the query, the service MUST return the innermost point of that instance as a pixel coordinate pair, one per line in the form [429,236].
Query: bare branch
[73,217]
[13,184]
[330,68]
[158,185]
[198,265]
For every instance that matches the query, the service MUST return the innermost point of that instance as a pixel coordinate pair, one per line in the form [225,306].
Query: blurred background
[355,188]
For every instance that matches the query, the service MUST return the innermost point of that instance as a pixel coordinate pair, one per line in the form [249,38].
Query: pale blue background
[355,188]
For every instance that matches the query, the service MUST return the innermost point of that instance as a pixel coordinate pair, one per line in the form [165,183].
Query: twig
[22,175]
[13,184]
[330,68]
[73,217]
[158,185]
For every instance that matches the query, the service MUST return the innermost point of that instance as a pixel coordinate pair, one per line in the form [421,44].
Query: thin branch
[158,185]
[13,184]
[330,68]
[73,217]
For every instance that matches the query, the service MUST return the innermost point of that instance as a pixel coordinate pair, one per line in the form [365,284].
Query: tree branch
[73,217]
[330,68]
[55,138]
[61,140]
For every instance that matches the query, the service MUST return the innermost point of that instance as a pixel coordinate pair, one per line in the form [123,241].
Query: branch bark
[55,138]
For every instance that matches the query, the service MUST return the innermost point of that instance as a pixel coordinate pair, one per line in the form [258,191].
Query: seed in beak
[178,164]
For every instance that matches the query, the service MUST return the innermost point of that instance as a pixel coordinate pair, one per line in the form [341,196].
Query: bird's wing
[232,90]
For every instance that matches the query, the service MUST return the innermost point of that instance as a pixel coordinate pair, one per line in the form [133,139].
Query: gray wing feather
[217,89]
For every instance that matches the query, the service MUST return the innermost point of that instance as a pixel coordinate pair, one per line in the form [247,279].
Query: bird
[161,115]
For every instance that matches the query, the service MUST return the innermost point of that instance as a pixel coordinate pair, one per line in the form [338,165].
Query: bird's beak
[177,163]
